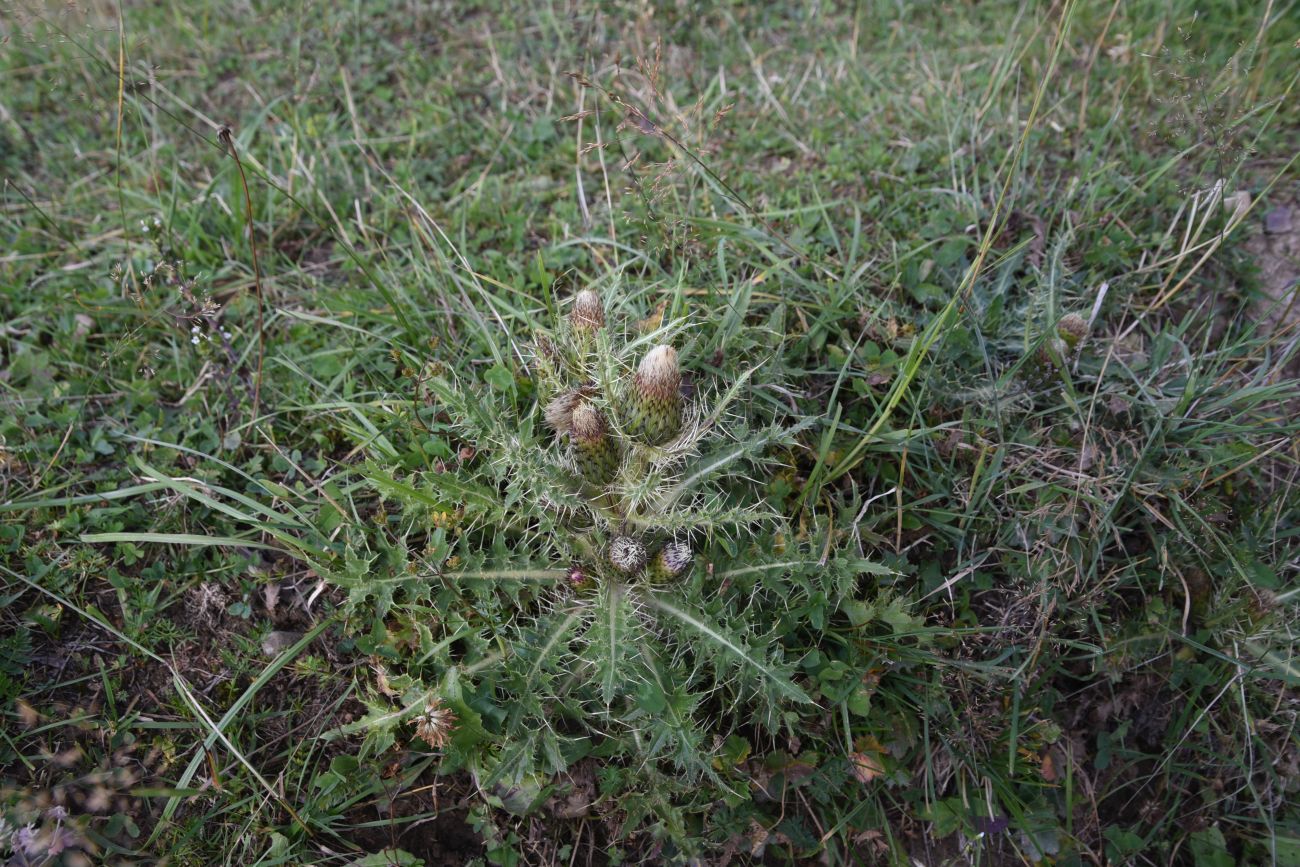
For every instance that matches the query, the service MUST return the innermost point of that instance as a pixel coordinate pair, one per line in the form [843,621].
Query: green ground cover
[986,457]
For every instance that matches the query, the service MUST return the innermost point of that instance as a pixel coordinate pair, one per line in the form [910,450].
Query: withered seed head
[435,725]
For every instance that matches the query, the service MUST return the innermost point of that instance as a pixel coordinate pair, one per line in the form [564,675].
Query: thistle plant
[617,576]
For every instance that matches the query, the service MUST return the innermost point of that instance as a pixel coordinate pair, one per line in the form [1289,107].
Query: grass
[274,481]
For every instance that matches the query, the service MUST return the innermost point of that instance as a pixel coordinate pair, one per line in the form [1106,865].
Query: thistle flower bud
[671,561]
[578,578]
[627,555]
[593,451]
[655,400]
[559,412]
[1072,329]
[588,313]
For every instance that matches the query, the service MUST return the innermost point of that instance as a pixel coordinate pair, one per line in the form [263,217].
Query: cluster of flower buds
[650,412]
[670,562]
[650,406]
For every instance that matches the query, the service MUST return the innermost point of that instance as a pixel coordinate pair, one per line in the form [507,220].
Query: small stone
[279,641]
[1278,221]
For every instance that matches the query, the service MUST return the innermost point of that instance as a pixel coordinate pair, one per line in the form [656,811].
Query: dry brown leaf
[866,766]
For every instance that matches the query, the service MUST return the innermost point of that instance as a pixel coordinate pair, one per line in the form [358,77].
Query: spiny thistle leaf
[612,640]
[714,634]
[709,465]
[448,492]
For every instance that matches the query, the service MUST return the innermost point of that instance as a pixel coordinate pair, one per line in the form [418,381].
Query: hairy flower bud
[588,313]
[1072,329]
[627,555]
[593,451]
[655,399]
[578,578]
[559,412]
[671,561]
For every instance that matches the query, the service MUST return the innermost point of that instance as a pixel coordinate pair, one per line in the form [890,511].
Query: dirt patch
[442,840]
[1276,248]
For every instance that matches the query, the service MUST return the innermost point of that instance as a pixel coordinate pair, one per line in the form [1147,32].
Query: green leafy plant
[616,582]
